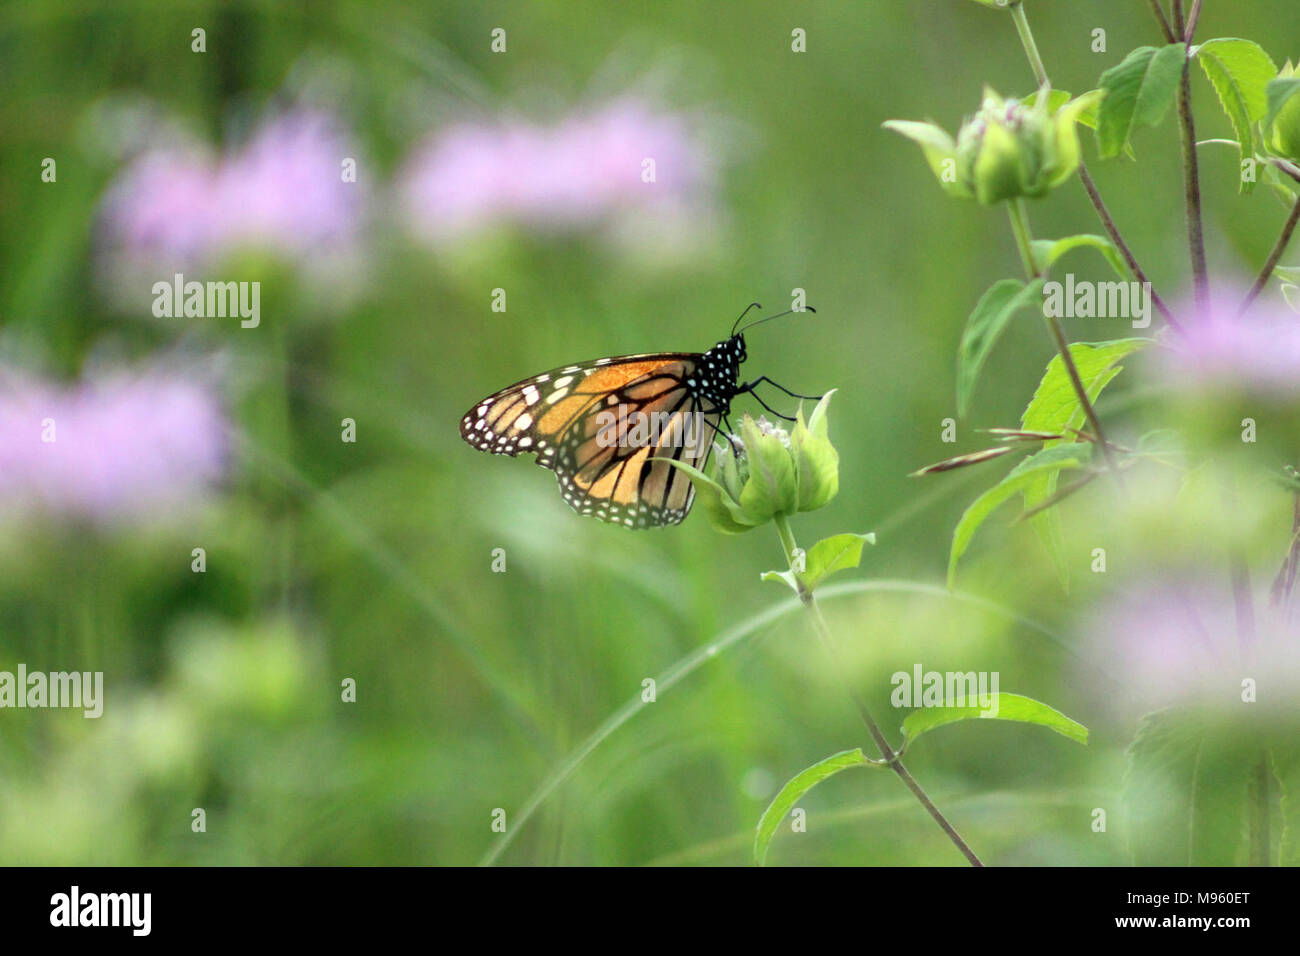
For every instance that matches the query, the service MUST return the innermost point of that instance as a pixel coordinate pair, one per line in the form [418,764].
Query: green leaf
[1138,93]
[1001,166]
[986,323]
[1033,468]
[1240,71]
[784,577]
[1185,790]
[1047,251]
[1055,408]
[724,514]
[798,785]
[1247,67]
[771,487]
[1005,707]
[817,463]
[829,555]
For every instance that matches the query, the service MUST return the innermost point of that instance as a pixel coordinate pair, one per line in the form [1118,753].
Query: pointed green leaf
[1024,475]
[1048,251]
[784,577]
[723,513]
[817,463]
[798,785]
[771,486]
[994,310]
[1138,93]
[1055,405]
[1055,408]
[829,555]
[1001,166]
[1239,71]
[1001,707]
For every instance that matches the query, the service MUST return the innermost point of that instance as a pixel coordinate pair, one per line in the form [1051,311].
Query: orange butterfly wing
[605,466]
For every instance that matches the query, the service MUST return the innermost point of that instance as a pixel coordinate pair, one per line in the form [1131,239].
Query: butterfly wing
[606,464]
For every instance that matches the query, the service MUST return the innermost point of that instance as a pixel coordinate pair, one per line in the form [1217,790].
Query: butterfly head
[732,350]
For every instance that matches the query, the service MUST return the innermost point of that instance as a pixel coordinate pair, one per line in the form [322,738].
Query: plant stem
[1024,242]
[1165,28]
[1192,20]
[1024,238]
[1191,173]
[1286,167]
[1094,195]
[1112,230]
[887,752]
[1273,258]
[1027,41]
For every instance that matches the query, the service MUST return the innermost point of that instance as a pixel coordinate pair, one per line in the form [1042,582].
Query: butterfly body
[583,422]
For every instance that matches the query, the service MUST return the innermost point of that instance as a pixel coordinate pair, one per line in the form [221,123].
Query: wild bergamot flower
[766,471]
[1009,149]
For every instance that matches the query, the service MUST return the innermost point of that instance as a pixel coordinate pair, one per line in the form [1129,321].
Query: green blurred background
[372,560]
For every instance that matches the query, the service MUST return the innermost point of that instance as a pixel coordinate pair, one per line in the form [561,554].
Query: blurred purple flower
[1172,640]
[588,169]
[1258,352]
[124,446]
[178,207]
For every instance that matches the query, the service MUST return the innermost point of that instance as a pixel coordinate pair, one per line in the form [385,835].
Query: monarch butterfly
[609,427]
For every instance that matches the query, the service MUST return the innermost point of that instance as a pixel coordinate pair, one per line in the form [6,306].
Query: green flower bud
[1007,150]
[1282,123]
[766,471]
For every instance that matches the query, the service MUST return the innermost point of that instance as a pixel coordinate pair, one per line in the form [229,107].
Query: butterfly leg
[763,403]
[763,378]
[736,447]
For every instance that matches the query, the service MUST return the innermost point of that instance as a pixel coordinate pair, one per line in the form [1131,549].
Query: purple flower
[1177,639]
[622,162]
[1257,353]
[114,446]
[177,207]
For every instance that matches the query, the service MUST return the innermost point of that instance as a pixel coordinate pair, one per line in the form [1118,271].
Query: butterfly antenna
[748,308]
[806,308]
